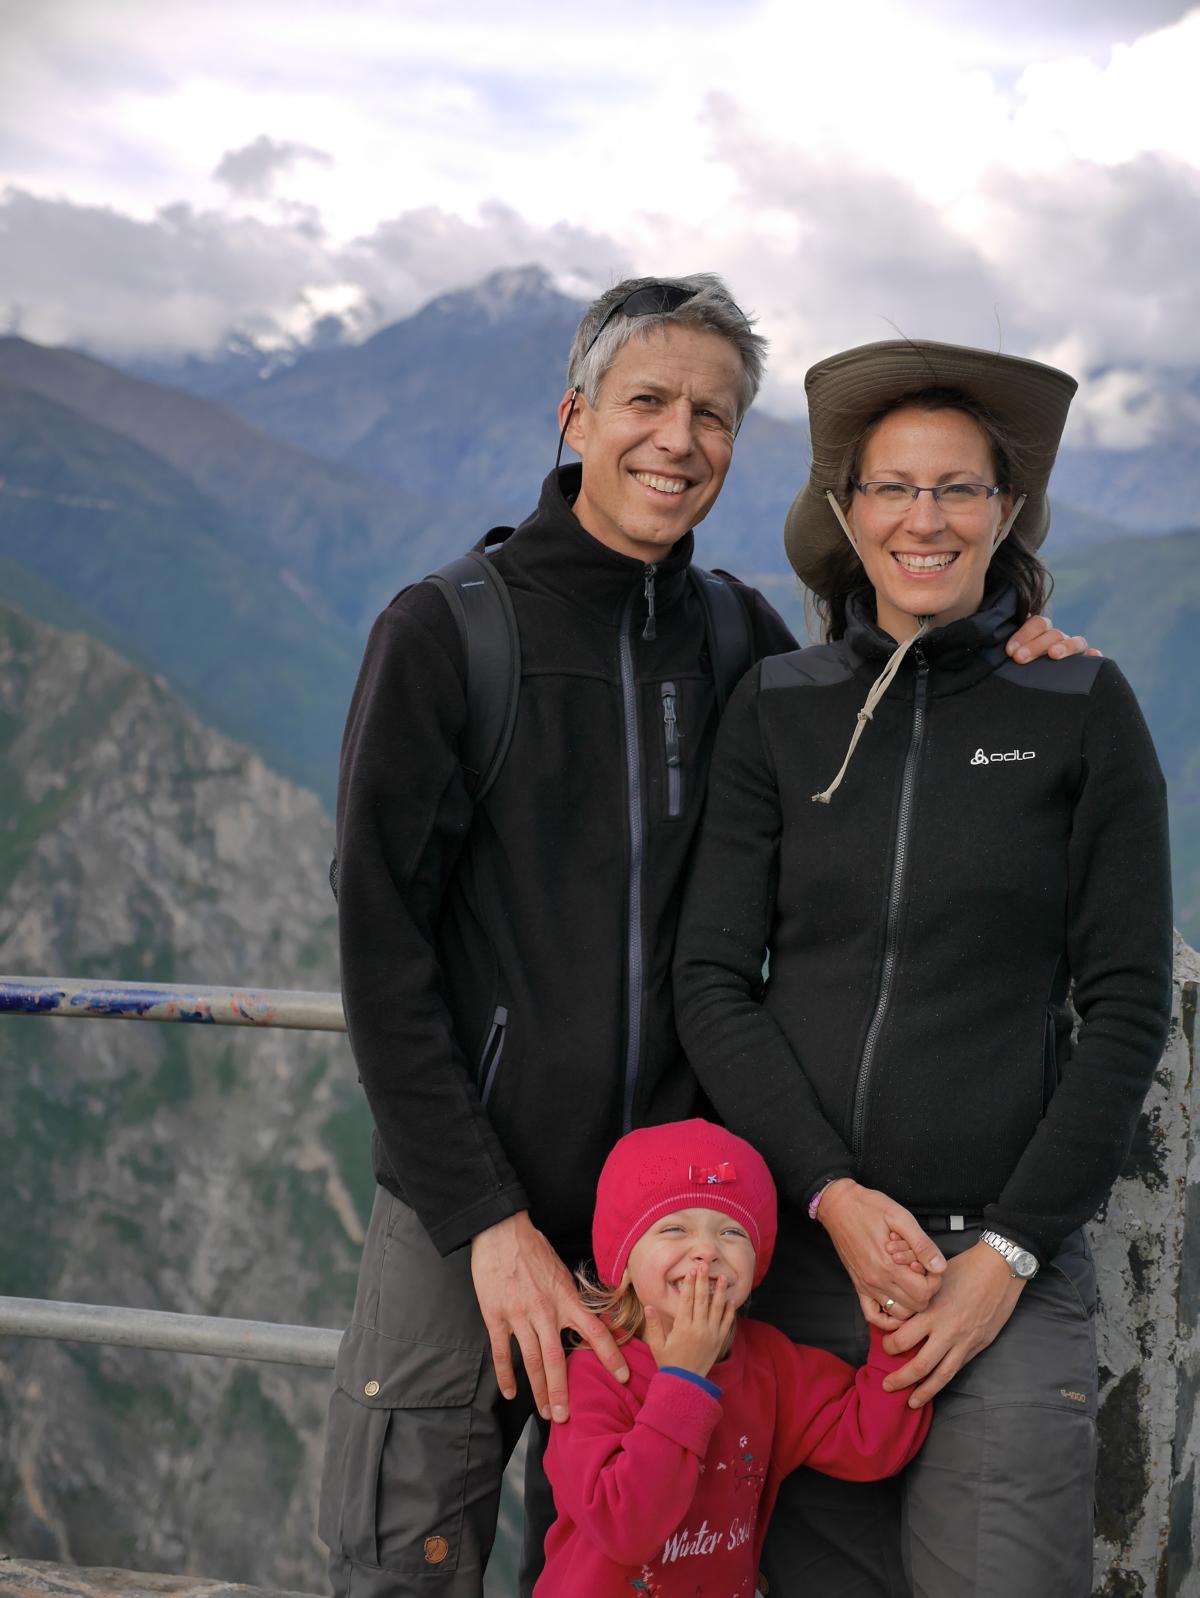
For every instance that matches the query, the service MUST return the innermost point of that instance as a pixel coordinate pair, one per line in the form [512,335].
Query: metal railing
[160,1329]
[165,1001]
[178,1334]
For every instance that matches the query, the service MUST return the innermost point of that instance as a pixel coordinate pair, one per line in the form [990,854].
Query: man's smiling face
[657,444]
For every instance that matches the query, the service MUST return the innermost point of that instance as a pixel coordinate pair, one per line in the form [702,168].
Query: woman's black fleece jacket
[1000,833]
[506,966]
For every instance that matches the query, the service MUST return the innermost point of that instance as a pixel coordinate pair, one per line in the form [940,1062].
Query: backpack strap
[482,607]
[730,642]
[492,539]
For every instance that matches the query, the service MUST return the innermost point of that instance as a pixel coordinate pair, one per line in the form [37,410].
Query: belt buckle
[958,1223]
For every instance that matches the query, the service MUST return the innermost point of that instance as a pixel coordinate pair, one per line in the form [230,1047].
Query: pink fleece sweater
[664,1490]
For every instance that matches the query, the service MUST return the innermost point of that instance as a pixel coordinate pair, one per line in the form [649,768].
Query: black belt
[949,1220]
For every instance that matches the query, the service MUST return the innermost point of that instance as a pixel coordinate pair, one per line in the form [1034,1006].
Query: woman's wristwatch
[1020,1261]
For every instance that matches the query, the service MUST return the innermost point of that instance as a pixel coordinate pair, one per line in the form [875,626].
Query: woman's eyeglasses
[953,498]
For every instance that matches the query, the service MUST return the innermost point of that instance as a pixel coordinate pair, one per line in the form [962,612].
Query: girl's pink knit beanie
[681,1166]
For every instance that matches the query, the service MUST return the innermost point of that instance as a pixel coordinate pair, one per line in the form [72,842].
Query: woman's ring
[887,1308]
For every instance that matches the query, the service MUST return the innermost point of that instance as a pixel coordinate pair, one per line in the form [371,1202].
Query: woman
[983,838]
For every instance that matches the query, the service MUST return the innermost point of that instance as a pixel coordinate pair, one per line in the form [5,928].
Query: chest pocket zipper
[493,1048]
[671,740]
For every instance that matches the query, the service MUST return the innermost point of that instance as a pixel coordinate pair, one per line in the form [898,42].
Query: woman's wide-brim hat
[1028,400]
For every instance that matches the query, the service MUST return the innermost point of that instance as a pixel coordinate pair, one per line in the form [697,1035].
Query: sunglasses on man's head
[653,299]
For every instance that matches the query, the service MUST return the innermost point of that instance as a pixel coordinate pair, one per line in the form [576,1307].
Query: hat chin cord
[886,676]
[884,681]
[1011,518]
[881,684]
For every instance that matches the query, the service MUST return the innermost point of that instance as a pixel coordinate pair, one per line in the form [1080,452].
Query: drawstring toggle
[650,630]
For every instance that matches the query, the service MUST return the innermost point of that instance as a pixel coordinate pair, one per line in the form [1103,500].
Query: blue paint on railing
[18,1001]
[144,1001]
[138,1001]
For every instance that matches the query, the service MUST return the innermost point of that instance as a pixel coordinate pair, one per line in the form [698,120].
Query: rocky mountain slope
[199,1169]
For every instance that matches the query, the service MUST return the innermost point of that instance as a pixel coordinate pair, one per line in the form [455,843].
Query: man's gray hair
[711,308]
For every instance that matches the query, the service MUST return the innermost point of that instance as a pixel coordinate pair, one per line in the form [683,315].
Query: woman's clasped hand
[895,1267]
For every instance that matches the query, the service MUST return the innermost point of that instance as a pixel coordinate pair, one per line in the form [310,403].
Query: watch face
[1019,1260]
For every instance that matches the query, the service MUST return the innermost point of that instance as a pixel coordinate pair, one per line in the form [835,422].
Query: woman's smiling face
[923,560]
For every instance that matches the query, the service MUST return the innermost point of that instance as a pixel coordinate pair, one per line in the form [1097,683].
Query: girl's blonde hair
[621,1310]
[618,1307]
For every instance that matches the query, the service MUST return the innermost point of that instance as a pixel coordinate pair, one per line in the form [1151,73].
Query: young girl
[664,1486]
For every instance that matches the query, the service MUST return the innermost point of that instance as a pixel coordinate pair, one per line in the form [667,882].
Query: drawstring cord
[878,688]
[881,684]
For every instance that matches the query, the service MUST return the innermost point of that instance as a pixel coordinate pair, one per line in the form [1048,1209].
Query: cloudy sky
[1028,174]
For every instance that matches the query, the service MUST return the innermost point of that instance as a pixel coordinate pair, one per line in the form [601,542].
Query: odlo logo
[980,759]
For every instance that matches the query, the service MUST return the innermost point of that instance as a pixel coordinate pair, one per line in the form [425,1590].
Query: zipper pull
[649,631]
[670,723]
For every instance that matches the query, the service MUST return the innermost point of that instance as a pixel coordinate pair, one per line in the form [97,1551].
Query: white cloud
[1121,410]
[1032,177]
[123,286]
[1142,100]
[408,259]
[253,169]
[181,280]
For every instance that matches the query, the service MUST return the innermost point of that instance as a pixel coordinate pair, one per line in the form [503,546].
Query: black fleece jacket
[1001,831]
[505,967]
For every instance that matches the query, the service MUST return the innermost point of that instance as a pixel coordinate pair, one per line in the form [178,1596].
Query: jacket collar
[959,654]
[551,551]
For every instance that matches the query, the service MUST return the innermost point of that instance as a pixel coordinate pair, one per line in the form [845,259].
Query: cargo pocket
[1073,1265]
[396,1452]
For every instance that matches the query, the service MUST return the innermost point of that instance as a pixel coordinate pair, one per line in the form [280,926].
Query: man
[506,965]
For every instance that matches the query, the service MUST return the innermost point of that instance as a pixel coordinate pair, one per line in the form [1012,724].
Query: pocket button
[371,1389]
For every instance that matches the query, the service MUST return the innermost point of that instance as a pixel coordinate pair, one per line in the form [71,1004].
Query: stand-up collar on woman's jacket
[959,654]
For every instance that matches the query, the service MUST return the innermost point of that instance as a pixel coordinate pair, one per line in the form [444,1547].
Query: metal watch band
[1013,1254]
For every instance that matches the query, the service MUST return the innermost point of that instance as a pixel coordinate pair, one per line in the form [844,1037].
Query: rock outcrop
[209,1170]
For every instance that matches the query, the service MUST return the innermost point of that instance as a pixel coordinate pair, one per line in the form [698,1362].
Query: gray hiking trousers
[418,1434]
[999,1500]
